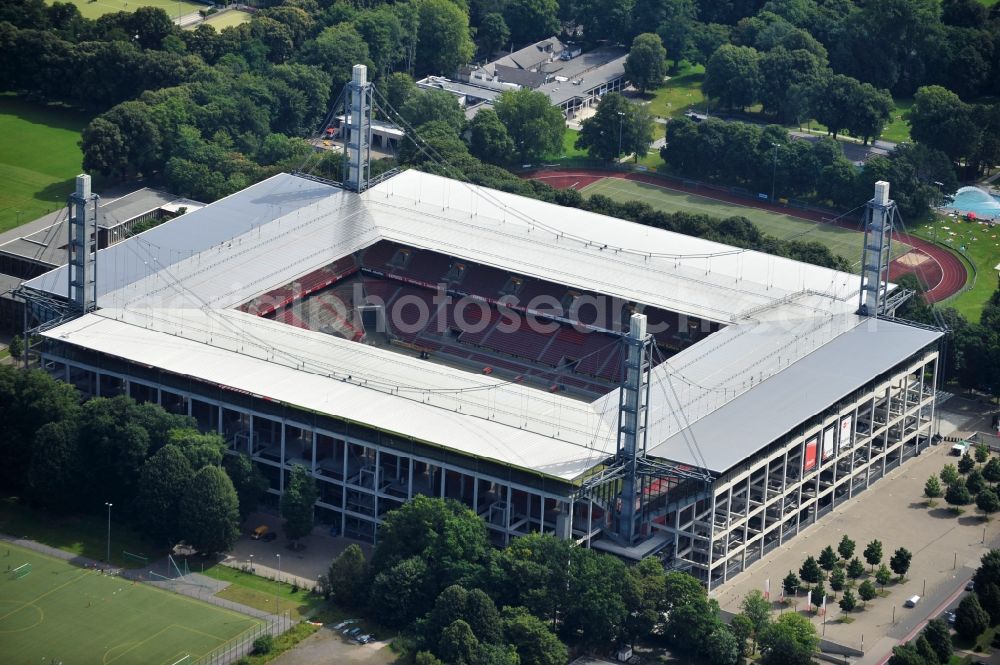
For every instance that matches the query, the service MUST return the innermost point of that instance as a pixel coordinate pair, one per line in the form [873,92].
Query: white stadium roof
[167,299]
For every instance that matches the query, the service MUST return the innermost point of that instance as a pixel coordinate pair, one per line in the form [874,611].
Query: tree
[732,76]
[535,126]
[646,63]
[424,106]
[873,553]
[248,480]
[432,142]
[819,592]
[900,562]
[939,119]
[531,637]
[16,347]
[166,477]
[532,20]
[55,466]
[872,112]
[397,88]
[988,501]
[347,577]
[827,558]
[966,464]
[757,609]
[958,494]
[742,629]
[847,601]
[970,618]
[209,511]
[949,474]
[883,575]
[855,569]
[458,645]
[867,591]
[939,637]
[199,449]
[298,502]
[401,592]
[493,34]
[810,571]
[721,647]
[789,640]
[790,584]
[488,138]
[443,42]
[846,548]
[906,654]
[838,579]
[618,127]
[932,488]
[991,471]
[982,453]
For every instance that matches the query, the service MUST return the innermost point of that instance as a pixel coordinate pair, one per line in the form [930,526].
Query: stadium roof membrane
[790,346]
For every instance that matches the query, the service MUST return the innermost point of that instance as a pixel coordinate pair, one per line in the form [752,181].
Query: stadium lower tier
[712,529]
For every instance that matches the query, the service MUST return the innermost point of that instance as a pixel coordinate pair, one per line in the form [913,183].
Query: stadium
[555,370]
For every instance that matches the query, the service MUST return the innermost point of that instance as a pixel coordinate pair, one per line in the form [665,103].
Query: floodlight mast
[358,105]
[877,252]
[632,422]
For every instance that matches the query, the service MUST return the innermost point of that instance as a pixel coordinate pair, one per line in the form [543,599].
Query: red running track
[934,265]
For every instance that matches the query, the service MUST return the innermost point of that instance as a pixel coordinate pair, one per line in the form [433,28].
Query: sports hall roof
[167,299]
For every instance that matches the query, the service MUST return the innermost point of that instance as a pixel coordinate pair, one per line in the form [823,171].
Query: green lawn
[98,8]
[681,93]
[980,244]
[61,613]
[229,19]
[38,161]
[897,130]
[260,593]
[81,534]
[841,241]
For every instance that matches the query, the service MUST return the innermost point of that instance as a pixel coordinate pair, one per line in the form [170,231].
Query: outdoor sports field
[59,612]
[99,8]
[39,161]
[845,242]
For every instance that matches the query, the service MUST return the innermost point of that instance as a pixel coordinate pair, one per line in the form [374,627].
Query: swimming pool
[975,200]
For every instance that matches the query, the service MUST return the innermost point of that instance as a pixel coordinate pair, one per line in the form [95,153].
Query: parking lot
[946,551]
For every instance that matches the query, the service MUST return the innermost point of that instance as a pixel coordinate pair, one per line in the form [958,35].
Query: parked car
[364,639]
[345,623]
[970,585]
[259,532]
[354,632]
[949,617]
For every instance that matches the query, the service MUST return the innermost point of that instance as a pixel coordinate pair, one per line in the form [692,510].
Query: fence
[242,645]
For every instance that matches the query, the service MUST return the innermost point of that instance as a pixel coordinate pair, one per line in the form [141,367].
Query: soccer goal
[20,571]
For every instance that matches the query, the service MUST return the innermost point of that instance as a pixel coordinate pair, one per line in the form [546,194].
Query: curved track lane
[942,271]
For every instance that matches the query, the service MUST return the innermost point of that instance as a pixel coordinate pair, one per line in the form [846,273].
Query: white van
[912,601]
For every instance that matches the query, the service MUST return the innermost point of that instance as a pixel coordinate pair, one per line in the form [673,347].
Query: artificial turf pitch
[845,242]
[62,613]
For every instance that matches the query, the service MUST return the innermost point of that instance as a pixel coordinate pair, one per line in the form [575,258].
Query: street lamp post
[108,559]
[774,169]
[621,119]
[276,588]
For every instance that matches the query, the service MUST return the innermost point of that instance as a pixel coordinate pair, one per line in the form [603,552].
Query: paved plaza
[946,550]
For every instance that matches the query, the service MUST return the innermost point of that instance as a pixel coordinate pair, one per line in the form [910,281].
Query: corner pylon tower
[82,249]
[877,252]
[358,129]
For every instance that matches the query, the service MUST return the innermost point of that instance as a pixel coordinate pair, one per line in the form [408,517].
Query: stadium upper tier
[178,297]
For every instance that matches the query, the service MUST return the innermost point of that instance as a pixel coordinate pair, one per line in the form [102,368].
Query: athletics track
[935,266]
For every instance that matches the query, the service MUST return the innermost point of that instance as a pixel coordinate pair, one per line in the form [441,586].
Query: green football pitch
[61,613]
[98,8]
[841,241]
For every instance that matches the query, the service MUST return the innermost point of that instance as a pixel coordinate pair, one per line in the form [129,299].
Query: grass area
[897,130]
[283,643]
[980,244]
[37,168]
[59,612]
[260,593]
[98,8]
[989,3]
[85,535]
[681,93]
[228,19]
[845,242]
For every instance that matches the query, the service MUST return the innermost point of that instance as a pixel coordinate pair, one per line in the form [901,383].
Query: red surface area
[944,273]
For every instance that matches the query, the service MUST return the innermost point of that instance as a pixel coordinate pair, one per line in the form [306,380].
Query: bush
[263,645]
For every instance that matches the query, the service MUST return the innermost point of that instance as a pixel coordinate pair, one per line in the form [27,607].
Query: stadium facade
[428,336]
